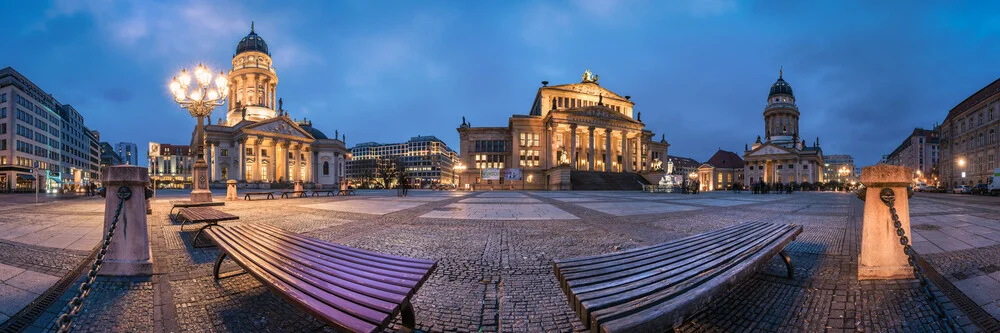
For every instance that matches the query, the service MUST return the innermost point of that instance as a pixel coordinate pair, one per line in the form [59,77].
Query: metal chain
[76,304]
[888,197]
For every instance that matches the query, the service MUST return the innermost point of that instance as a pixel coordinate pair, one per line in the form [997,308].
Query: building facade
[841,168]
[129,152]
[580,126]
[41,141]
[170,166]
[427,161]
[919,151]
[782,157]
[968,139]
[722,172]
[257,141]
[109,157]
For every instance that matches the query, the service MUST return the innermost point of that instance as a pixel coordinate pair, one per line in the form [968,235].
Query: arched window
[326,168]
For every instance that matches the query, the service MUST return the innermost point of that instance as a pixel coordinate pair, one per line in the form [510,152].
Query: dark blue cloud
[864,73]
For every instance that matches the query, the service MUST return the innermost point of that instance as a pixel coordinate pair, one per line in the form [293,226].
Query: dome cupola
[780,87]
[252,42]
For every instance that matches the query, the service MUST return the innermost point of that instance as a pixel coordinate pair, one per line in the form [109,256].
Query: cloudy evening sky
[864,73]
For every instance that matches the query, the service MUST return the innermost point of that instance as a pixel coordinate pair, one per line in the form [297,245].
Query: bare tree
[386,171]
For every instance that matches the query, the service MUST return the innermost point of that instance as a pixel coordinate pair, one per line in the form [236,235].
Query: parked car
[963,189]
[980,189]
[931,189]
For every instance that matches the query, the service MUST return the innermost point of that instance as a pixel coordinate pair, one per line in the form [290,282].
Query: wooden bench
[210,216]
[349,191]
[350,289]
[187,204]
[330,192]
[270,195]
[293,194]
[653,289]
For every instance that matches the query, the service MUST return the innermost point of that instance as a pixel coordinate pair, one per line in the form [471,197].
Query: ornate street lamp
[460,168]
[199,100]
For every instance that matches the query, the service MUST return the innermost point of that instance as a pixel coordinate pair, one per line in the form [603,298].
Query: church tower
[781,115]
[252,81]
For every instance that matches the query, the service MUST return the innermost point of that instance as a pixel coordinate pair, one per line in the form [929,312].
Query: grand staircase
[606,181]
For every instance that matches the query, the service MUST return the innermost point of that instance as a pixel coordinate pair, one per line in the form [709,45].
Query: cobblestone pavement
[495,275]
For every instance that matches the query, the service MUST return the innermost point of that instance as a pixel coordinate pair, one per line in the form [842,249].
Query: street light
[460,168]
[199,101]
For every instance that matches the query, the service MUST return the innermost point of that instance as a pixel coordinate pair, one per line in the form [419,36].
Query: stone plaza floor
[495,252]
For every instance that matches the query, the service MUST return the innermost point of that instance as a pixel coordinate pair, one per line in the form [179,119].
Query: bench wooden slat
[319,309]
[628,270]
[319,277]
[336,268]
[656,315]
[361,265]
[690,270]
[419,263]
[570,264]
[609,292]
[676,247]
[653,288]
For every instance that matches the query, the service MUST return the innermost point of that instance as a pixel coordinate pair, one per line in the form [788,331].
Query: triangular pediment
[278,125]
[768,149]
[589,88]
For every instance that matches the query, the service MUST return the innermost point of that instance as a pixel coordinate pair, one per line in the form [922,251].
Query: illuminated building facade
[968,142]
[782,157]
[580,126]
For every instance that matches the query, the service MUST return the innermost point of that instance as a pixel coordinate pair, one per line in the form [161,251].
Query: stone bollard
[129,253]
[298,185]
[882,255]
[231,190]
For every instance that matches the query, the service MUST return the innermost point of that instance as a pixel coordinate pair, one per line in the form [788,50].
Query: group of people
[764,188]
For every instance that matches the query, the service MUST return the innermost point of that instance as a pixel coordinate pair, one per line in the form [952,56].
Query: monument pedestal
[231,190]
[881,254]
[129,253]
[199,187]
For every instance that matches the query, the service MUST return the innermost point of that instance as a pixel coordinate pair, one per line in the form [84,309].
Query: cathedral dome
[780,87]
[252,42]
[316,133]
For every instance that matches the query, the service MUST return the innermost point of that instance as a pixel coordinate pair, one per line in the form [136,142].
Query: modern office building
[170,166]
[919,151]
[968,139]
[41,141]
[428,161]
[841,168]
[129,152]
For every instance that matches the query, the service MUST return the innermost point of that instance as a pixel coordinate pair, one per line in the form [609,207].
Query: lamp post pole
[460,168]
[199,101]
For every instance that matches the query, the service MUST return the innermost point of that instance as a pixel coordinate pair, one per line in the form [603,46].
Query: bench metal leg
[183,221]
[218,263]
[409,321]
[194,241]
[788,263]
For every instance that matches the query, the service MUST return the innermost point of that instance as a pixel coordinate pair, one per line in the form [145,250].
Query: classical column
[309,165]
[294,148]
[591,160]
[240,160]
[607,149]
[550,160]
[273,170]
[257,165]
[572,150]
[625,166]
[214,164]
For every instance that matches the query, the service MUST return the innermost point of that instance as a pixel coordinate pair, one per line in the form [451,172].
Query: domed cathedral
[252,81]
[783,156]
[258,143]
[574,136]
